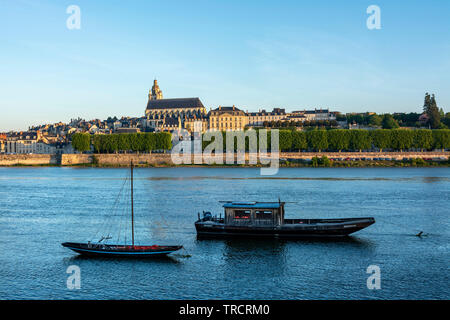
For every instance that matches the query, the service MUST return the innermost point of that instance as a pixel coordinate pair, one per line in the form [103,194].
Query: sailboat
[100,249]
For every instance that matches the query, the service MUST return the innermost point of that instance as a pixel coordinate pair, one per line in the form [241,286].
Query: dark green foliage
[97,143]
[423,139]
[441,139]
[381,138]
[407,119]
[375,120]
[325,161]
[431,109]
[163,141]
[321,162]
[317,140]
[299,141]
[338,139]
[124,142]
[285,140]
[402,139]
[131,142]
[446,120]
[149,142]
[418,162]
[360,140]
[389,122]
[357,118]
[135,142]
[398,119]
[81,141]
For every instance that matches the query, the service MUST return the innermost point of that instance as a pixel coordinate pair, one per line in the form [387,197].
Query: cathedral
[171,114]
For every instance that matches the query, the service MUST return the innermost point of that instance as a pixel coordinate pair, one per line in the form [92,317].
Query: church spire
[155,93]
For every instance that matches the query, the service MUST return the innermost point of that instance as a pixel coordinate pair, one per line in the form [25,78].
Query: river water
[42,207]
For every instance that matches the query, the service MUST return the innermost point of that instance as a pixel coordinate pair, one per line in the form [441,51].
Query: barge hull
[285,231]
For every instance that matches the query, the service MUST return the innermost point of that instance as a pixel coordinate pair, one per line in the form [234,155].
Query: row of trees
[385,121]
[356,140]
[437,119]
[289,140]
[122,142]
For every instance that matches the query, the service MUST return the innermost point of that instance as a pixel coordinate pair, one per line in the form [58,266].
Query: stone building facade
[258,118]
[313,115]
[227,118]
[28,142]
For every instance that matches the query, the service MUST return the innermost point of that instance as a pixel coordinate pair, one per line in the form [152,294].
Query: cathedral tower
[155,93]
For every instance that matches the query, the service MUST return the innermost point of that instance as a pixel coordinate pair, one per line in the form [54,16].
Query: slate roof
[222,110]
[174,103]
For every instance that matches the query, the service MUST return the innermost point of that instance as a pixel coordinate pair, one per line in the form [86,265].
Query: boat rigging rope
[108,219]
[126,216]
[123,217]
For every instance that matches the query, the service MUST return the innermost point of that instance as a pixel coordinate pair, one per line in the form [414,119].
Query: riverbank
[291,159]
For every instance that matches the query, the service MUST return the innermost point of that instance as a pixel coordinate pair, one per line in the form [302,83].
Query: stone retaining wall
[27,159]
[75,159]
[162,159]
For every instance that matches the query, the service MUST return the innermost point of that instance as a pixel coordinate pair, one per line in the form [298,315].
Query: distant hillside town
[168,115]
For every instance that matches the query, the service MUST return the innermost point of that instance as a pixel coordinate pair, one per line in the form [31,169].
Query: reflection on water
[42,207]
[128,260]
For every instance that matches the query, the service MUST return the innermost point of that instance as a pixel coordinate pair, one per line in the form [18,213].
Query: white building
[258,118]
[32,143]
[314,115]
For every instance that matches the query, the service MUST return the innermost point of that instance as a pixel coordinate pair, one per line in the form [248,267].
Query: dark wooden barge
[266,219]
[120,251]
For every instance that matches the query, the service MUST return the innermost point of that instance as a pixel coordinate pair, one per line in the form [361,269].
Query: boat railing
[263,222]
[312,221]
[241,222]
[252,223]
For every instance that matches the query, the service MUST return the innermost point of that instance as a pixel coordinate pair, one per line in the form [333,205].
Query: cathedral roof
[174,103]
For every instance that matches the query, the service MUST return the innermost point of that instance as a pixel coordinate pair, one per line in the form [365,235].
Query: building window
[263,214]
[241,214]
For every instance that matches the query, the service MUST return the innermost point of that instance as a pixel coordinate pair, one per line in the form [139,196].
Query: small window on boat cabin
[242,214]
[263,214]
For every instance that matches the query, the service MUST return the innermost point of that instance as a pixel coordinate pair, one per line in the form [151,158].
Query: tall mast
[132,207]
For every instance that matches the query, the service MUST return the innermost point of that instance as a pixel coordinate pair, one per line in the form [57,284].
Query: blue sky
[253,54]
